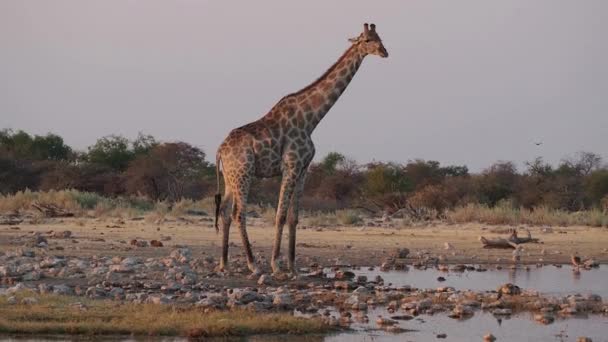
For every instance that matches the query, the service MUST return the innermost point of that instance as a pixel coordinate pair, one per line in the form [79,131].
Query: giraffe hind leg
[240,215]
[226,220]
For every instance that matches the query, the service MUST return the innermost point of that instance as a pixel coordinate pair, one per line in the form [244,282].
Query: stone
[52,262]
[16,288]
[442,335]
[283,301]
[401,253]
[138,243]
[590,263]
[8,271]
[264,279]
[382,321]
[44,288]
[117,293]
[458,268]
[95,292]
[502,312]
[461,311]
[11,300]
[342,275]
[544,318]
[31,276]
[214,301]
[594,298]
[509,289]
[66,234]
[130,261]
[188,279]
[489,338]
[259,306]
[361,279]
[361,291]
[156,243]
[424,304]
[183,255]
[121,269]
[344,285]
[584,339]
[171,287]
[29,301]
[62,289]
[244,296]
[448,246]
[159,299]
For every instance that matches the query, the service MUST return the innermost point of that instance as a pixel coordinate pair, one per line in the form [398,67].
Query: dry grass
[348,217]
[91,204]
[23,200]
[340,217]
[55,314]
[506,214]
[319,219]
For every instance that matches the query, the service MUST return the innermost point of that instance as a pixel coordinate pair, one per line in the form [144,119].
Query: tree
[455,171]
[21,145]
[112,151]
[143,144]
[497,182]
[422,173]
[596,185]
[331,161]
[167,170]
[584,162]
[50,147]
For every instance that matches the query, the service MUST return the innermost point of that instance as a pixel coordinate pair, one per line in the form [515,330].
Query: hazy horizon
[466,83]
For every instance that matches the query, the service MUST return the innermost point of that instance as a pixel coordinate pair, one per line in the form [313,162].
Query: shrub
[87,200]
[348,217]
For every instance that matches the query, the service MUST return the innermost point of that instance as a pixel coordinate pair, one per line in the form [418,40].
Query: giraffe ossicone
[280,144]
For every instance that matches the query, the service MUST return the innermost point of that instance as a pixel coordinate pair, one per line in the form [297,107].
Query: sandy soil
[360,246]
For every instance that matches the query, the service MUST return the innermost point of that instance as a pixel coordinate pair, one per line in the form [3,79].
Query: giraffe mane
[318,80]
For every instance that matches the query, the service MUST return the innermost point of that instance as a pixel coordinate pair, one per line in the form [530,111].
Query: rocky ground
[173,261]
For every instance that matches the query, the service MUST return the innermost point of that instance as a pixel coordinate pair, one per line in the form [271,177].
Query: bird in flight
[538,143]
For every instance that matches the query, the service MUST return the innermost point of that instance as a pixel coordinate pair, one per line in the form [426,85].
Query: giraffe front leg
[287,187]
[294,210]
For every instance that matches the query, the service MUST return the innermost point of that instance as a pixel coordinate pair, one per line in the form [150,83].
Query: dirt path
[326,246]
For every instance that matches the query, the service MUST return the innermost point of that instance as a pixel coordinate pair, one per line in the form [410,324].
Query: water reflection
[548,279]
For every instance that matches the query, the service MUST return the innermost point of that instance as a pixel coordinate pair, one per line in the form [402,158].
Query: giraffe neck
[317,99]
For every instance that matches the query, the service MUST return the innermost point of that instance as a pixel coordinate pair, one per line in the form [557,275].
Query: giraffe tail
[218,195]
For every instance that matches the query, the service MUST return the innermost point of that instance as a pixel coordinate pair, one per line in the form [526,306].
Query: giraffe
[280,144]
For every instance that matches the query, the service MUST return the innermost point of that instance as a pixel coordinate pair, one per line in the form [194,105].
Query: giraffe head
[369,41]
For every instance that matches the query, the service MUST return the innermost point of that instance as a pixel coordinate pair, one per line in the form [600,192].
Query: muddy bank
[416,272]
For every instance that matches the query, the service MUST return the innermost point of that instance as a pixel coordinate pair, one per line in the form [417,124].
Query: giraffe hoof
[256,272]
[275,267]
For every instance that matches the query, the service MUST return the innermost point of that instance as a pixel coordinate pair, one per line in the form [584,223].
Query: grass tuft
[54,314]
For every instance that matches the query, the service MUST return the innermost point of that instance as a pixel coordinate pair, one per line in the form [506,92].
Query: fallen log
[51,210]
[512,242]
[10,221]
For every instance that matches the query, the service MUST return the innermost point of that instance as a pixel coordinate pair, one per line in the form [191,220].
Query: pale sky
[467,82]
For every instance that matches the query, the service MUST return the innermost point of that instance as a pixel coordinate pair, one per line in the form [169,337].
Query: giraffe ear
[353,40]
